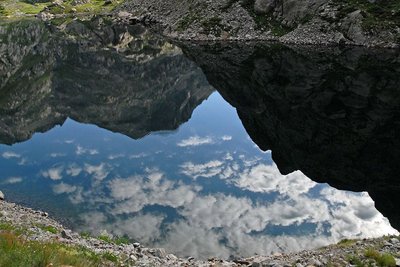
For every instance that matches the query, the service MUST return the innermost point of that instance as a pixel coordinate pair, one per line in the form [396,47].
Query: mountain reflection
[217,198]
[118,77]
[333,113]
[204,189]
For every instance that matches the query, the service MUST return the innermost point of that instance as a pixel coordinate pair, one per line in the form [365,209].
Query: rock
[159,252]
[44,214]
[45,16]
[264,6]
[397,261]
[315,262]
[1,196]
[133,257]
[79,2]
[65,235]
[394,240]
[136,245]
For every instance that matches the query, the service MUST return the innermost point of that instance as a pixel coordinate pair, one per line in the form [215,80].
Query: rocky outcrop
[332,113]
[111,75]
[365,23]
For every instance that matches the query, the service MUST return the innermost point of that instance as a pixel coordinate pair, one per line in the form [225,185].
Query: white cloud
[53,173]
[115,156]
[207,170]
[137,156]
[241,221]
[226,138]
[57,155]
[22,161]
[98,172]
[135,192]
[81,151]
[10,154]
[13,180]
[62,188]
[195,141]
[73,170]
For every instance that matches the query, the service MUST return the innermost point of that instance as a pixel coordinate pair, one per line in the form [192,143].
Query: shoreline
[36,225]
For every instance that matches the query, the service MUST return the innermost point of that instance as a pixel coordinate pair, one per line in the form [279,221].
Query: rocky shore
[318,22]
[39,226]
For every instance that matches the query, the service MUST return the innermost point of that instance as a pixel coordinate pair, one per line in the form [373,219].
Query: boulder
[264,6]
[1,196]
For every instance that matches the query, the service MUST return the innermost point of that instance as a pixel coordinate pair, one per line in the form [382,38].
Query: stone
[264,6]
[394,240]
[133,257]
[1,196]
[45,16]
[136,245]
[65,235]
[159,252]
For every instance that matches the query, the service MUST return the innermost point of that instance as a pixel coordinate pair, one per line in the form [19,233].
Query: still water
[152,152]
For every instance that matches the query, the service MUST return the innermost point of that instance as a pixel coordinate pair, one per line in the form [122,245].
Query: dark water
[107,128]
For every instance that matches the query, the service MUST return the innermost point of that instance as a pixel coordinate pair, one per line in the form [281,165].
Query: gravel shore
[39,226]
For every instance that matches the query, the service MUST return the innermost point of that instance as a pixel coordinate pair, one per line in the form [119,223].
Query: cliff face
[358,22]
[114,76]
[334,114]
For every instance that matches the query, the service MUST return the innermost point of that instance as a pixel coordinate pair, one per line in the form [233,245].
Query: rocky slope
[37,225]
[331,113]
[356,22]
[115,76]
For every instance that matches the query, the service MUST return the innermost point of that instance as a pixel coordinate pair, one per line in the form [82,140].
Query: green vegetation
[187,20]
[85,235]
[354,260]
[48,228]
[16,251]
[383,260]
[378,15]
[346,242]
[13,8]
[121,240]
[105,238]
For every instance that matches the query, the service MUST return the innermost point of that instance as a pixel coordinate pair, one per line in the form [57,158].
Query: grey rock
[65,235]
[1,195]
[394,240]
[264,6]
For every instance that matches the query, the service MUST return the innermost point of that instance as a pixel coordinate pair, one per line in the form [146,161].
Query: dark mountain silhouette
[332,113]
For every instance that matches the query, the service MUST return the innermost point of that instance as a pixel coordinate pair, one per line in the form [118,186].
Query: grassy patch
[20,7]
[85,235]
[48,228]
[15,251]
[383,260]
[121,240]
[379,15]
[346,242]
[354,260]
[105,238]
[186,21]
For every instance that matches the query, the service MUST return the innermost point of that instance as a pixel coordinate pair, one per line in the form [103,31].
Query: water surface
[130,138]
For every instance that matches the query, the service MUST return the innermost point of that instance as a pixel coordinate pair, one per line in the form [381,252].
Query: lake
[207,150]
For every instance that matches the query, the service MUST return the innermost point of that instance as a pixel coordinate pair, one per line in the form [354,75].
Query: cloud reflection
[223,223]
